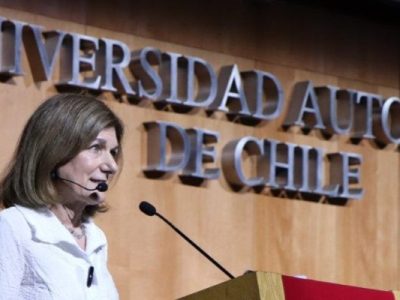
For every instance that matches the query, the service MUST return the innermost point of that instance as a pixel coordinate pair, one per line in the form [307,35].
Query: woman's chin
[96,198]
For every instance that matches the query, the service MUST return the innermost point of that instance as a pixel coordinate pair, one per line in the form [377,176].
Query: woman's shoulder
[12,219]
[10,214]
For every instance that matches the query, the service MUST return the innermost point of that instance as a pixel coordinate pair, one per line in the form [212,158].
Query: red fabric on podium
[305,289]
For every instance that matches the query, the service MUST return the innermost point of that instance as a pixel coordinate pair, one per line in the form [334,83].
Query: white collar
[47,228]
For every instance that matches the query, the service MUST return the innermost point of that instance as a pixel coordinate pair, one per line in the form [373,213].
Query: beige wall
[357,244]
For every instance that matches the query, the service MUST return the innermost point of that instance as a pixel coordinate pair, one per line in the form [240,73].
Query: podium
[273,286]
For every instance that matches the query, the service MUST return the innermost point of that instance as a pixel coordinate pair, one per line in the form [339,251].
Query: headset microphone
[101,187]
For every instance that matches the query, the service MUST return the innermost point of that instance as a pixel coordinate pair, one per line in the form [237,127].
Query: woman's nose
[109,166]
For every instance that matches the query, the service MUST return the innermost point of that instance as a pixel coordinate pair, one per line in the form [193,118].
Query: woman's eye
[95,147]
[114,153]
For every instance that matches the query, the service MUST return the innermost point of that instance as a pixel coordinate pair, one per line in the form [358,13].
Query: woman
[49,246]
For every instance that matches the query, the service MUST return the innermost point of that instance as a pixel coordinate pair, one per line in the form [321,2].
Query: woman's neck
[71,218]
[69,215]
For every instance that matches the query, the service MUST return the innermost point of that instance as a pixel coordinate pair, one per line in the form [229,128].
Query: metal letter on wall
[194,173]
[366,110]
[78,55]
[264,94]
[149,83]
[316,162]
[11,43]
[280,164]
[170,72]
[344,171]
[230,96]
[189,82]
[168,148]
[42,49]
[206,83]
[388,128]
[337,109]
[232,162]
[113,57]
[304,108]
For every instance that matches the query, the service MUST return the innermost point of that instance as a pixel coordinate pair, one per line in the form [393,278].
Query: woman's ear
[54,175]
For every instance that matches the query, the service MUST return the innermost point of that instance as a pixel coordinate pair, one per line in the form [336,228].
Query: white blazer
[40,260]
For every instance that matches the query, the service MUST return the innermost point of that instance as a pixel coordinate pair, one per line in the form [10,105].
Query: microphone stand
[196,246]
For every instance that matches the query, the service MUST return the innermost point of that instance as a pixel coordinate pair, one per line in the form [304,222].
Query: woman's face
[90,167]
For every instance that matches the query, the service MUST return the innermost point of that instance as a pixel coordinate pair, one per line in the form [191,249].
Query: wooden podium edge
[270,286]
[250,286]
[396,295]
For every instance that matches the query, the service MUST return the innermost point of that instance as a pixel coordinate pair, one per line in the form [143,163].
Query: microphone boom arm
[196,246]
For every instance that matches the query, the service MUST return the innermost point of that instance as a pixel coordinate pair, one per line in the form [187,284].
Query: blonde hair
[57,131]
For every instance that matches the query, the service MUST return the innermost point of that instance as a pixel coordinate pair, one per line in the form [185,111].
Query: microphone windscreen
[147,208]
[102,187]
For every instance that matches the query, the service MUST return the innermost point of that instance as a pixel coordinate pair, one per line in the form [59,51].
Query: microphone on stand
[150,210]
[101,187]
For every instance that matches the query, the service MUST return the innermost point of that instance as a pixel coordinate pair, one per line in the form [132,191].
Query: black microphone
[90,276]
[150,210]
[101,187]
